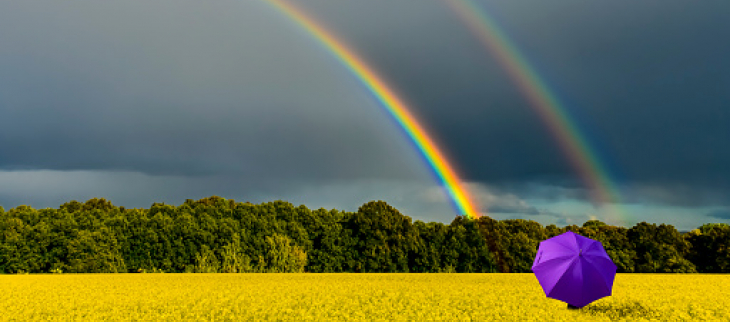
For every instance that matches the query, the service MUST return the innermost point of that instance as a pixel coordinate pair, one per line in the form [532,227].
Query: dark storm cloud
[646,83]
[511,204]
[237,95]
[722,214]
[462,95]
[184,88]
[49,188]
[520,209]
[511,210]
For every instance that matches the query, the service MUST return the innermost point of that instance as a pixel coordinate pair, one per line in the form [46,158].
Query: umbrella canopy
[574,269]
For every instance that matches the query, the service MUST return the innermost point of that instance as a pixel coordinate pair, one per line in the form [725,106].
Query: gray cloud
[720,213]
[645,86]
[232,94]
[512,210]
[48,188]
[142,87]
[494,200]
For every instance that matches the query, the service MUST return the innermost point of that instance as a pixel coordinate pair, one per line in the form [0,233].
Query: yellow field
[365,297]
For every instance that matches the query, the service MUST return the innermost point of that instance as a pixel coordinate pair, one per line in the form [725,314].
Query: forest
[215,234]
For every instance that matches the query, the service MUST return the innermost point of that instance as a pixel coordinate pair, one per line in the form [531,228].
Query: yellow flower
[351,297]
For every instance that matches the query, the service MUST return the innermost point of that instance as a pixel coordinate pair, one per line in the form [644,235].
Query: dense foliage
[219,235]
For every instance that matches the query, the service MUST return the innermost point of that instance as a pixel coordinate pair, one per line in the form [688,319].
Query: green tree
[467,249]
[384,236]
[519,240]
[710,251]
[206,261]
[233,259]
[618,247]
[595,224]
[94,252]
[14,250]
[495,235]
[659,249]
[331,242]
[283,256]
[428,248]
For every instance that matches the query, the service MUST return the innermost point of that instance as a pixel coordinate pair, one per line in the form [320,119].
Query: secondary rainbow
[576,148]
[459,197]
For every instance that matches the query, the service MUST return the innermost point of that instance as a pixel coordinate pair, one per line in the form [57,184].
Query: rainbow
[554,115]
[459,197]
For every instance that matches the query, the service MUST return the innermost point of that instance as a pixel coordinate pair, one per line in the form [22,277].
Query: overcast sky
[161,101]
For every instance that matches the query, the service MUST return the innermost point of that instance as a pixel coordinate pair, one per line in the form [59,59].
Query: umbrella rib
[571,246]
[593,247]
[595,265]
[569,267]
[594,258]
[546,262]
[597,272]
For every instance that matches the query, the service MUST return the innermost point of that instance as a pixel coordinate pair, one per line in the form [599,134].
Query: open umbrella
[574,269]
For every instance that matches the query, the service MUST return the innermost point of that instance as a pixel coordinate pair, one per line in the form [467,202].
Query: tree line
[220,235]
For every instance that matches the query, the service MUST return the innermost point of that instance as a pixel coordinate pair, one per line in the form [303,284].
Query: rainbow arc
[553,113]
[459,197]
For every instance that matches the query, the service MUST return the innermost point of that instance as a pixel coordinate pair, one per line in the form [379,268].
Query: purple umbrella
[574,269]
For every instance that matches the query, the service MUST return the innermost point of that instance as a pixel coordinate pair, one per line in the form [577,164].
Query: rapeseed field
[350,297]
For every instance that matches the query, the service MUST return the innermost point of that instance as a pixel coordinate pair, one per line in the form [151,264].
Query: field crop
[356,297]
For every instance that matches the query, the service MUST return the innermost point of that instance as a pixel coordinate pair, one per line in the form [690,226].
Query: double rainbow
[459,197]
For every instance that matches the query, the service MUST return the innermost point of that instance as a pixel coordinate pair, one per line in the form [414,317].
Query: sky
[162,101]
